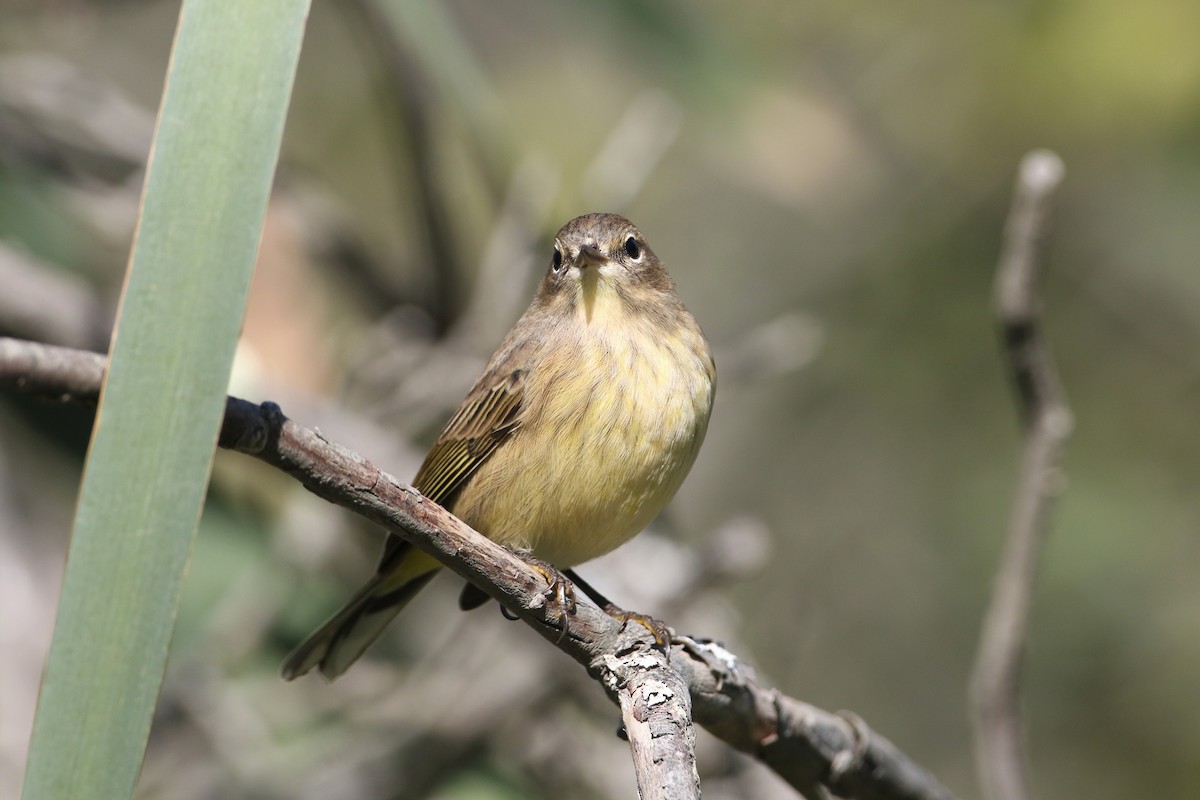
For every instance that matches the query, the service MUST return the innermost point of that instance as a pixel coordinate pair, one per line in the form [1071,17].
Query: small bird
[582,427]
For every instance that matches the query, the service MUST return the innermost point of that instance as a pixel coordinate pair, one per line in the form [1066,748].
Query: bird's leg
[658,629]
[558,586]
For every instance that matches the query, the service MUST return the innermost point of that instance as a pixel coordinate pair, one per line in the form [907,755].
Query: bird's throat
[589,287]
[599,301]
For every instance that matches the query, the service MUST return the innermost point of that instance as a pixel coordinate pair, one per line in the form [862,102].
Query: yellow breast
[616,412]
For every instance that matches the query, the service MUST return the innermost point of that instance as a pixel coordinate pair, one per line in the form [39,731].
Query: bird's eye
[632,249]
[557,259]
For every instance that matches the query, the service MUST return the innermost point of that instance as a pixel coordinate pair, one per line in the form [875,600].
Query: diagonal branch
[806,746]
[1047,422]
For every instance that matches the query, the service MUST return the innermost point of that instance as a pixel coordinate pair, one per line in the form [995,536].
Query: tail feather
[338,643]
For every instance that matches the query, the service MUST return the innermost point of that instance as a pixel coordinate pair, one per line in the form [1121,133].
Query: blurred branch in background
[43,302]
[413,102]
[55,114]
[78,145]
[425,36]
[636,145]
[996,682]
[802,744]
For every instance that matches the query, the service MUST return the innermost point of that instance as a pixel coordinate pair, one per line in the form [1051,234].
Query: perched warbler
[581,428]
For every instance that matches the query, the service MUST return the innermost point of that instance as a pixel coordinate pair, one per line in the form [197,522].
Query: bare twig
[1047,422]
[804,745]
[55,373]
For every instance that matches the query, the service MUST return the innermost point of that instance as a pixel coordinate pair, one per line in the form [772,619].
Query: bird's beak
[590,255]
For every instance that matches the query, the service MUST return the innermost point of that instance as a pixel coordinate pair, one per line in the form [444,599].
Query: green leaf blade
[203,205]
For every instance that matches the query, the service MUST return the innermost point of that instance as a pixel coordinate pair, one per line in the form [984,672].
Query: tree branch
[656,712]
[1047,424]
[806,746]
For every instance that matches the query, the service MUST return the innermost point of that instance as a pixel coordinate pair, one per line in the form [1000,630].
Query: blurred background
[828,184]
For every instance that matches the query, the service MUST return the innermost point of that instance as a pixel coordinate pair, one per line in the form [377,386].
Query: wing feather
[484,421]
[488,416]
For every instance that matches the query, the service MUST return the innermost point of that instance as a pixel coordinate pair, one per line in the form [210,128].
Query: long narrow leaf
[203,205]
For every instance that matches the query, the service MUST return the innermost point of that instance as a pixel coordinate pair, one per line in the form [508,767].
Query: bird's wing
[487,417]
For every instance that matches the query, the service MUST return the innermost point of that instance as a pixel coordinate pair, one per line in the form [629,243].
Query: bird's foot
[558,587]
[661,632]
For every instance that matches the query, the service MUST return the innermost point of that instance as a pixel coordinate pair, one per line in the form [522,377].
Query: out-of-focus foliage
[827,183]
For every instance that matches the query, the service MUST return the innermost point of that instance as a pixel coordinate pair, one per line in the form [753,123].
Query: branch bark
[656,714]
[1047,422]
[806,746]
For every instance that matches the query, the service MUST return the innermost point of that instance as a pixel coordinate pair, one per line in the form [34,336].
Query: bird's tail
[339,642]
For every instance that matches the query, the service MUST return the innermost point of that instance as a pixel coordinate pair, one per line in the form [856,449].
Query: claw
[658,629]
[558,586]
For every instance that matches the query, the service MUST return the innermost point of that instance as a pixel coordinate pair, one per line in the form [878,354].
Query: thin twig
[996,682]
[804,745]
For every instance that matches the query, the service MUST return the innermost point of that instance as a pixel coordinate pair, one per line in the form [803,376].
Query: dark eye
[632,248]
[557,259]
